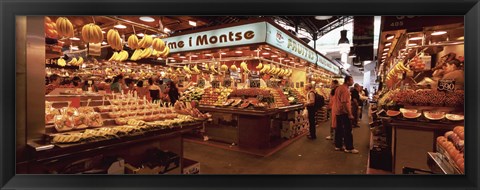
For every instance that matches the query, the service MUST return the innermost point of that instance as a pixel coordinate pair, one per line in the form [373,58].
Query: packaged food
[63,123]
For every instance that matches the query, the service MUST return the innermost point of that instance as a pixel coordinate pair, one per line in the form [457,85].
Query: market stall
[250,76]
[422,96]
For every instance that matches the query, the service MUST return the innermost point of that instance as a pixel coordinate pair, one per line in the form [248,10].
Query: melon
[434,115]
[403,110]
[454,117]
[392,113]
[411,115]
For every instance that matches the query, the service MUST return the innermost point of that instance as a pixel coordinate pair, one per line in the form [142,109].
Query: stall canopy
[261,32]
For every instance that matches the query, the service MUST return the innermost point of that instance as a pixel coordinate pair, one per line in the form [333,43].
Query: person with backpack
[314,102]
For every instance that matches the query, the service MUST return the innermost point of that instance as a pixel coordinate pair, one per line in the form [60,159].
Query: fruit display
[134,127]
[50,28]
[122,56]
[146,41]
[132,42]
[64,27]
[293,96]
[61,62]
[73,119]
[92,33]
[423,97]
[192,94]
[280,100]
[215,97]
[187,109]
[251,93]
[411,115]
[452,145]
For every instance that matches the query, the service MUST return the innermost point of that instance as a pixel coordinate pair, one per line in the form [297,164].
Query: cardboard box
[117,167]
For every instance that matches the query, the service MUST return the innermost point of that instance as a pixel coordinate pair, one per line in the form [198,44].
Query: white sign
[284,42]
[326,64]
[225,37]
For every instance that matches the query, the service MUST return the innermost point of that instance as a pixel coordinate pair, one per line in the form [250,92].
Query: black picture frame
[9,9]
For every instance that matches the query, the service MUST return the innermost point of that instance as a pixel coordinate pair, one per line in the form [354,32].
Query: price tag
[446,85]
[255,83]
[215,84]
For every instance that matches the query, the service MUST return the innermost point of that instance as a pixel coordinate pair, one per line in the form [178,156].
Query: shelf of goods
[449,156]
[256,120]
[121,126]
[413,133]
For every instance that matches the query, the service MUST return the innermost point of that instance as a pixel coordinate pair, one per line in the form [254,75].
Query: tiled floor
[302,157]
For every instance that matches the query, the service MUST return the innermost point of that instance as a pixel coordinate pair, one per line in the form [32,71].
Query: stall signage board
[326,64]
[446,85]
[225,37]
[279,39]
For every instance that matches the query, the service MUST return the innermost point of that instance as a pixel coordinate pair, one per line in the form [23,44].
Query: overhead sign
[225,37]
[279,39]
[326,64]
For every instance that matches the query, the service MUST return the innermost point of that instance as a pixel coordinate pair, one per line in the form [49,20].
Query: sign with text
[225,37]
[284,42]
[446,85]
[417,23]
[326,64]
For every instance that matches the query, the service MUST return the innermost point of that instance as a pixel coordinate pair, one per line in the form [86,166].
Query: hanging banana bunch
[64,27]
[92,33]
[113,38]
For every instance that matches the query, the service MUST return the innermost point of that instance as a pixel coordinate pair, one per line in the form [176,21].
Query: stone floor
[304,156]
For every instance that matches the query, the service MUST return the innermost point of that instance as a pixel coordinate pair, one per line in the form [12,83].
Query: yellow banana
[80,60]
[213,69]
[259,66]
[158,44]
[154,52]
[132,41]
[146,53]
[115,54]
[224,67]
[73,61]
[85,33]
[61,62]
[195,68]
[233,67]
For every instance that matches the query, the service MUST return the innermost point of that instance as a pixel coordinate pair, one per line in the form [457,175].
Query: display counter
[132,149]
[412,139]
[254,131]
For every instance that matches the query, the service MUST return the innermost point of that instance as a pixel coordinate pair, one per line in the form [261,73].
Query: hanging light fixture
[343,38]
[120,26]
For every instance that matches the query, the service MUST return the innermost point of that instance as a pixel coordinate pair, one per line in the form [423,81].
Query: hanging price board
[215,84]
[446,85]
[255,83]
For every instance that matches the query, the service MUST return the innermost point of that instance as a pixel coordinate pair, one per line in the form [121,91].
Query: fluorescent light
[104,43]
[192,23]
[352,56]
[385,53]
[182,57]
[238,52]
[172,60]
[159,58]
[388,44]
[140,34]
[412,44]
[287,60]
[323,17]
[74,47]
[147,19]
[386,49]
[223,53]
[384,57]
[74,38]
[267,48]
[415,38]
[366,62]
[120,26]
[166,30]
[207,54]
[265,53]
[437,33]
[292,62]
[390,37]
[274,55]
[153,36]
[103,32]
[403,49]
[194,56]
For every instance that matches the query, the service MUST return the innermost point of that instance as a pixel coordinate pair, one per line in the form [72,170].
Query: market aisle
[301,157]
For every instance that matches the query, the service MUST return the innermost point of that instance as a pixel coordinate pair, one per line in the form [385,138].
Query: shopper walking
[173,93]
[332,110]
[116,86]
[311,111]
[154,90]
[343,112]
